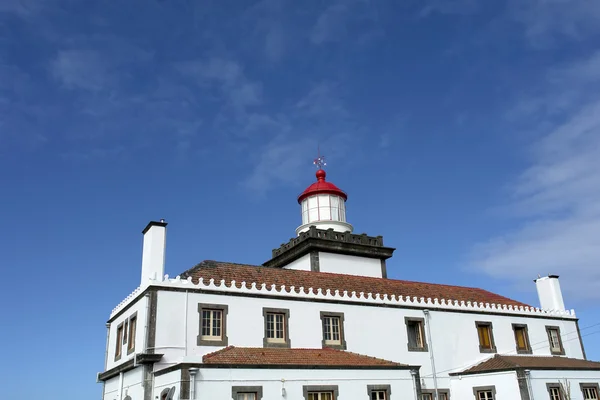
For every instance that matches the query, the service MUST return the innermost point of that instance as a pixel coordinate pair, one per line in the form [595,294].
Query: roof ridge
[225,263]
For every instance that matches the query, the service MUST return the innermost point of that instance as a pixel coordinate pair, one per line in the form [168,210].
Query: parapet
[262,289]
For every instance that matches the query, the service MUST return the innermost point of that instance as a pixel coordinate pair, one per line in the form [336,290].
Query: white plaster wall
[140,307]
[111,388]
[456,343]
[173,337]
[301,264]
[369,330]
[507,387]
[337,226]
[132,386]
[352,384]
[539,379]
[349,265]
[167,380]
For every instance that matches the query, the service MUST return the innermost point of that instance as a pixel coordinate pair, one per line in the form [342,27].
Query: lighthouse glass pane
[324,210]
[342,211]
[335,208]
[304,211]
[313,211]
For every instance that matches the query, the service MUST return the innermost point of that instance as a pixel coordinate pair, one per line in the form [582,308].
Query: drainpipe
[185,324]
[528,379]
[427,323]
[193,372]
[147,323]
[415,382]
[120,386]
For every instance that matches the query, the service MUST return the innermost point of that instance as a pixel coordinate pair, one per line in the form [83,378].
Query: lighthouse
[323,204]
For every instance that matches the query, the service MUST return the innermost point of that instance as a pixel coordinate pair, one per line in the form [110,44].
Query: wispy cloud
[547,20]
[558,195]
[82,69]
[239,91]
[21,7]
[461,7]
[356,20]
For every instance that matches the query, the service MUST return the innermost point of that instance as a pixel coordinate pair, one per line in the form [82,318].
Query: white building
[320,320]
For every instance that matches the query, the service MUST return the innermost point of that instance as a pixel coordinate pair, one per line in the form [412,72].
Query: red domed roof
[322,187]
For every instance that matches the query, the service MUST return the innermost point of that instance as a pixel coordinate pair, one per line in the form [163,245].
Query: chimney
[153,251]
[549,293]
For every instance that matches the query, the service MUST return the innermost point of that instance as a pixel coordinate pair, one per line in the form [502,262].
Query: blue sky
[467,133]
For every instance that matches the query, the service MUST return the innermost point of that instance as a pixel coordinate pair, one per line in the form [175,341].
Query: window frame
[555,385]
[561,352]
[490,327]
[331,314]
[224,308]
[320,389]
[478,389]
[432,392]
[407,321]
[589,385]
[525,328]
[235,390]
[286,343]
[119,341]
[380,388]
[132,322]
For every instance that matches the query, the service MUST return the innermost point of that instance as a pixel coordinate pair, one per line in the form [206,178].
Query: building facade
[320,320]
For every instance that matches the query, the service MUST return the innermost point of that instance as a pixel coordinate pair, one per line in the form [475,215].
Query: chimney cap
[546,277]
[154,223]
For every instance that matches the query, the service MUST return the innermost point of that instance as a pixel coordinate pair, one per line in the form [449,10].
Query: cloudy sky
[465,132]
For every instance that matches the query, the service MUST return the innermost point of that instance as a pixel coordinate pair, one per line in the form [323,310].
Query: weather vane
[320,160]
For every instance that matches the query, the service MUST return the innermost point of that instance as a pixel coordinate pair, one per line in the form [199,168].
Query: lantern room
[323,205]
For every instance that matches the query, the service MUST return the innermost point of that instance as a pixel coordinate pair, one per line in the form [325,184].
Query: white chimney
[153,251]
[549,292]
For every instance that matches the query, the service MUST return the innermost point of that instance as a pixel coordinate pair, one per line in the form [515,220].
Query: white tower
[323,205]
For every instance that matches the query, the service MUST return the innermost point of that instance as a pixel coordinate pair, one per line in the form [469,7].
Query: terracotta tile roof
[503,363]
[307,279]
[294,357]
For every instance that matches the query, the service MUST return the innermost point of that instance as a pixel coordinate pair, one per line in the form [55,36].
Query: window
[333,330]
[555,391]
[590,391]
[379,392]
[485,393]
[125,333]
[246,392]
[119,342]
[428,394]
[132,327]
[378,395]
[486,337]
[320,392]
[415,329]
[521,339]
[320,396]
[213,325]
[556,347]
[276,327]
